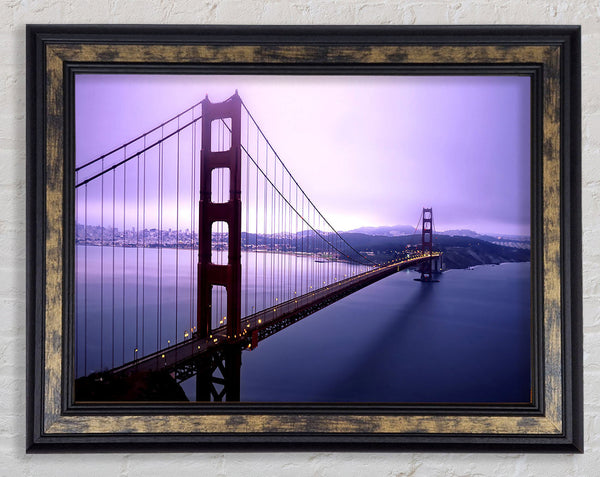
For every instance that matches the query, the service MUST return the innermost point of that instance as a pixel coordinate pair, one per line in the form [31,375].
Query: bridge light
[162,356]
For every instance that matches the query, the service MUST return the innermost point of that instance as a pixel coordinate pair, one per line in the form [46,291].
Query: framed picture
[270,238]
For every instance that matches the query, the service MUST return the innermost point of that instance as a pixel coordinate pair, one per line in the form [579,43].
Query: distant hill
[399,230]
[460,232]
[489,237]
[507,240]
[459,251]
[385,231]
[515,241]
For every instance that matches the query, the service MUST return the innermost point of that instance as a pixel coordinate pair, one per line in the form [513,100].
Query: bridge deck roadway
[264,323]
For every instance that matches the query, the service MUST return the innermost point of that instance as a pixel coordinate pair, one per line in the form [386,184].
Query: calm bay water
[463,339]
[144,299]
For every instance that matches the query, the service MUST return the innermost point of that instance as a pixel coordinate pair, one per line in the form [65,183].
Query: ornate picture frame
[549,55]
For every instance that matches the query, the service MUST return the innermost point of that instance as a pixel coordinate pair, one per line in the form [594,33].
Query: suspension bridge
[194,241]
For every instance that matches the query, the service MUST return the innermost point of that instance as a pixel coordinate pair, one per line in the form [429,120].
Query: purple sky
[368,151]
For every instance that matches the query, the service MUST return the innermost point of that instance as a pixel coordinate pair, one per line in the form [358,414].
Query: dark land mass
[147,386]
[459,251]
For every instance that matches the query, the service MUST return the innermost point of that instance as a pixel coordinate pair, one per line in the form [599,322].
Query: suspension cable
[99,158]
[303,193]
[298,185]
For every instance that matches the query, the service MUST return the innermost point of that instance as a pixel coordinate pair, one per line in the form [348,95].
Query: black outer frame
[566,36]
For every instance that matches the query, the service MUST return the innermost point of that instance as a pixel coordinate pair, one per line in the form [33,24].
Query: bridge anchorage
[266,257]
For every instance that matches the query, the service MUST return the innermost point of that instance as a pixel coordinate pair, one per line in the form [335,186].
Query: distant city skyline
[94,231]
[369,151]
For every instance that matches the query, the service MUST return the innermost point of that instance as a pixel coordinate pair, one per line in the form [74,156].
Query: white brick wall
[14,14]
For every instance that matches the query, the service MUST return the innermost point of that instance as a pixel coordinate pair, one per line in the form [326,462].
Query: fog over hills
[385,231]
[400,230]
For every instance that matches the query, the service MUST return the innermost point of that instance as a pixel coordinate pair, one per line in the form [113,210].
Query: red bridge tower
[429,267]
[209,274]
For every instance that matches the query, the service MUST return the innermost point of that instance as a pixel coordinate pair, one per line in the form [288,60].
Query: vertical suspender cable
[302,261]
[159,250]
[85,283]
[257,208]
[247,285]
[177,236]
[271,248]
[274,221]
[137,255]
[285,239]
[191,269]
[291,217]
[112,339]
[143,255]
[264,302]
[123,261]
[296,246]
[102,270]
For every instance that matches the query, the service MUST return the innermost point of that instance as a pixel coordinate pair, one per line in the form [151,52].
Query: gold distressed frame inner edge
[54,423]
